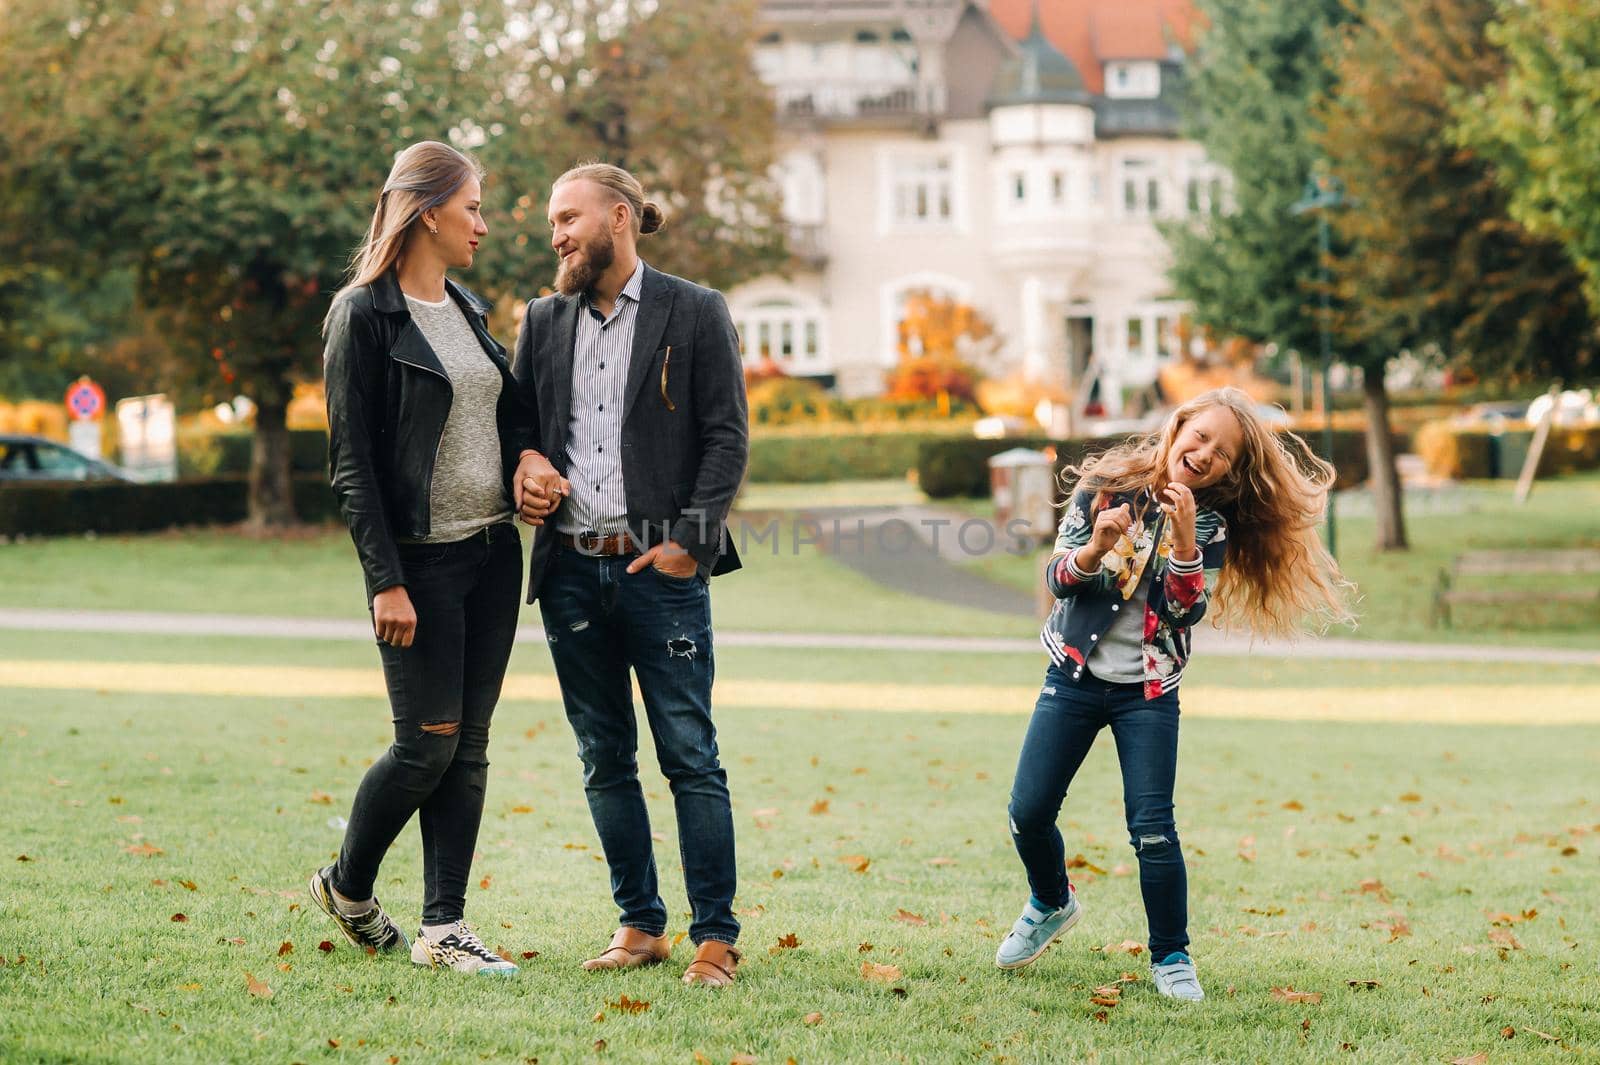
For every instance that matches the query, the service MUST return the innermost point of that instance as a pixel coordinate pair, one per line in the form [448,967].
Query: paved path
[1208,640]
[919,550]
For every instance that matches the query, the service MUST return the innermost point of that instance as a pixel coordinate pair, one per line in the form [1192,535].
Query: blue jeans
[442,694]
[1066,719]
[600,622]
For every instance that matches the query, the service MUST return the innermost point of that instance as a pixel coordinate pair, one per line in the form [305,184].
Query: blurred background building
[1011,155]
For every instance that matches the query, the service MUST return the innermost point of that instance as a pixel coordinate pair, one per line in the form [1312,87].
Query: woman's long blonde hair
[424,176]
[1278,575]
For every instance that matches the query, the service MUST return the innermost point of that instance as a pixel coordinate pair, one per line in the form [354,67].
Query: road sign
[86,401]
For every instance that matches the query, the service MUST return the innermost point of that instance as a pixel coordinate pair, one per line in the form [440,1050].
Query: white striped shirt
[600,358]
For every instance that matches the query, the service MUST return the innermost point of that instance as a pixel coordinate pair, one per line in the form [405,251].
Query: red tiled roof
[1091,32]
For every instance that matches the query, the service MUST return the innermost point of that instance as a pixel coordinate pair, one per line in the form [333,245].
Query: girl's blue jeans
[1066,719]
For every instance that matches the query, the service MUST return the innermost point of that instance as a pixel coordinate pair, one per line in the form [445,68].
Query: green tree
[1435,260]
[669,92]
[1537,124]
[228,153]
[55,328]
[1251,267]
[225,152]
[1258,68]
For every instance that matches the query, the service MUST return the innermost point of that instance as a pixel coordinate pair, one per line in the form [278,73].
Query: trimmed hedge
[1471,452]
[73,508]
[960,467]
[851,455]
[813,459]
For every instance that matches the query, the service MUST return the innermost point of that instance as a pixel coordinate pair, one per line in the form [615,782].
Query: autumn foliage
[931,335]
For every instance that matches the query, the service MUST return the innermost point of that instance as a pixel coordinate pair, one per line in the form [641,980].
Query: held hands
[1179,507]
[537,488]
[667,557]
[1109,525]
[394,619]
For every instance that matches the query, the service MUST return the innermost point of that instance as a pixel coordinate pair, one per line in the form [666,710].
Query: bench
[1570,561]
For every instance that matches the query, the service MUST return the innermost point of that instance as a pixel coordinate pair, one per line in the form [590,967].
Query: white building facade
[926,149]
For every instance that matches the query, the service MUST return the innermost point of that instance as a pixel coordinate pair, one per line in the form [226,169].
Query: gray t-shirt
[469,482]
[1118,655]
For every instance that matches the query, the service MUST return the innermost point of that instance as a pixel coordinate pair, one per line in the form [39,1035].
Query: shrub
[814,458]
[73,508]
[1464,451]
[788,400]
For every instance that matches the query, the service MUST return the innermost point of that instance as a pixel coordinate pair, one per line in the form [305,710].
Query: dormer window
[1133,80]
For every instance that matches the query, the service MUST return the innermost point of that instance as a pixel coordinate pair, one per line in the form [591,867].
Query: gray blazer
[685,424]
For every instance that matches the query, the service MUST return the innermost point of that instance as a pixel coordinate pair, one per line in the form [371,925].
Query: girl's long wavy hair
[424,176]
[1278,575]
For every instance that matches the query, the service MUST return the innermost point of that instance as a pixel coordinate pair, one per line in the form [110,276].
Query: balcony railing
[808,242]
[813,12]
[856,11]
[857,102]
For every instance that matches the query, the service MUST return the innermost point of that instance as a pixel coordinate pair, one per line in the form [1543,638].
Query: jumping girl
[1213,510]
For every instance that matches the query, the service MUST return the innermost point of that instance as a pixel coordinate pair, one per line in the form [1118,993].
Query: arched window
[893,297]
[787,329]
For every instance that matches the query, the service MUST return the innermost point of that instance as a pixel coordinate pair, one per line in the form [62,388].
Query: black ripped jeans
[442,690]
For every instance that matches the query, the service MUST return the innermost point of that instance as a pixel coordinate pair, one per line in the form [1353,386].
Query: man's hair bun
[651,218]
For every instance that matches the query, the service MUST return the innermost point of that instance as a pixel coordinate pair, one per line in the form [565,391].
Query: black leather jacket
[388,400]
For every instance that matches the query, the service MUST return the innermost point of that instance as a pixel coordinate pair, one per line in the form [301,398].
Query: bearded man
[639,389]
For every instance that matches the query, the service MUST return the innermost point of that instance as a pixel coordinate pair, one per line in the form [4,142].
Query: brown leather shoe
[631,948]
[713,965]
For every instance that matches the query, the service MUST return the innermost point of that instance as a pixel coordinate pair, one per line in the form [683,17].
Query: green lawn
[785,586]
[1445,827]
[1320,853]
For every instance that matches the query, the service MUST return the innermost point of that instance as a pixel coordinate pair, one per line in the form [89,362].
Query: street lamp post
[1322,193]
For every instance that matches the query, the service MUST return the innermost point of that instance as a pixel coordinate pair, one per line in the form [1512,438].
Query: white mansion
[1010,154]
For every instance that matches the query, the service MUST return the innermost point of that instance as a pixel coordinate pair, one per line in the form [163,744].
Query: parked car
[33,458]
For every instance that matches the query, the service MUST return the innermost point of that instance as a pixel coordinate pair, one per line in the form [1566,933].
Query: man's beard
[594,258]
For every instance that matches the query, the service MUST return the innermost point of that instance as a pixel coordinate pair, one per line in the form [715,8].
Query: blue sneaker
[1035,930]
[1175,978]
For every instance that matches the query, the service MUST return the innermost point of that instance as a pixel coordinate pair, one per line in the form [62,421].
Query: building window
[1019,186]
[1204,187]
[1058,187]
[1135,336]
[804,188]
[1133,80]
[783,331]
[922,190]
[1141,188]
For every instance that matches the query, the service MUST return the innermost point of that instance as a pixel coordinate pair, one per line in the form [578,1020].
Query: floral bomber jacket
[1088,602]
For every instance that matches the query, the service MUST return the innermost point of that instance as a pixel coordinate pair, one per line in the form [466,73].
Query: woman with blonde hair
[429,451]
[1213,512]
